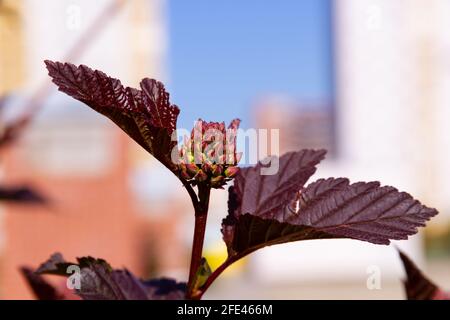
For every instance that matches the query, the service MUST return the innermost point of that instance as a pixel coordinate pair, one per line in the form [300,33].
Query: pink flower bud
[216,170]
[192,169]
[206,167]
[230,172]
[183,172]
[201,176]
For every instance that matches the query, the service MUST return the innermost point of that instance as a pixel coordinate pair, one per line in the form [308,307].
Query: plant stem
[191,193]
[201,215]
[197,248]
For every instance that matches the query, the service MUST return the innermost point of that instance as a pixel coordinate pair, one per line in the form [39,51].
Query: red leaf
[262,195]
[417,285]
[98,281]
[42,289]
[267,210]
[146,115]
[21,195]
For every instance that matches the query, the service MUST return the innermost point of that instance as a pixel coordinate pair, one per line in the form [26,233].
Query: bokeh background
[367,79]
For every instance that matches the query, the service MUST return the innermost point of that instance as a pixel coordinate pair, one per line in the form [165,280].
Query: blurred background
[369,80]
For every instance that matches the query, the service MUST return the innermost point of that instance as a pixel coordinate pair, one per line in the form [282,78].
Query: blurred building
[389,122]
[392,121]
[393,85]
[301,126]
[81,161]
[11,45]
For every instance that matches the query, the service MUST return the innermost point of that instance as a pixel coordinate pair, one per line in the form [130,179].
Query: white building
[393,125]
[68,142]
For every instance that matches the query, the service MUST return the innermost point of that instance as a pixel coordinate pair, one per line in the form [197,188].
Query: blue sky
[225,54]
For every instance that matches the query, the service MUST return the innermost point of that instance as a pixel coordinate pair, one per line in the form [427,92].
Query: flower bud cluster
[209,156]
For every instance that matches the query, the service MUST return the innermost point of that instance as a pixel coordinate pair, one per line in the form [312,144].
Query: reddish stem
[201,215]
[197,245]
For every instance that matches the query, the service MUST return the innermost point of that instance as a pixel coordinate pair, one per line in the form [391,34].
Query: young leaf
[268,210]
[42,289]
[146,115]
[417,285]
[99,281]
[204,271]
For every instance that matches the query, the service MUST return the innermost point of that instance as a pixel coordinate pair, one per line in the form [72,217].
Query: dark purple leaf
[98,281]
[41,288]
[166,289]
[417,285]
[146,115]
[21,195]
[268,210]
[55,265]
[262,195]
